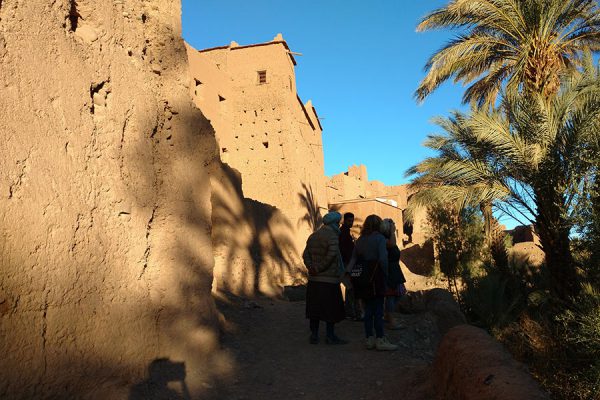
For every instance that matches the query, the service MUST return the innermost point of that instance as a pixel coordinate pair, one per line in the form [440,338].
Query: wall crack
[148,245]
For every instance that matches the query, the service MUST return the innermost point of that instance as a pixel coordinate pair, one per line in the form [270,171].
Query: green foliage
[514,43]
[581,334]
[494,299]
[587,244]
[458,239]
[535,156]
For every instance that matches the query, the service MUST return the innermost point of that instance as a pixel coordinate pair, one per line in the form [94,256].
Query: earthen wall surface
[363,208]
[105,246]
[351,191]
[268,136]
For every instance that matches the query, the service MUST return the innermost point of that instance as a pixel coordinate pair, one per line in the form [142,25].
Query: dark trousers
[374,316]
[352,304]
[314,328]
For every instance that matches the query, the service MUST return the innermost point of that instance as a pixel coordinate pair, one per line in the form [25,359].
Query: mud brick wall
[105,250]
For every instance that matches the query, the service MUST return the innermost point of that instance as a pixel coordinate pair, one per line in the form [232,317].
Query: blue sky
[361,64]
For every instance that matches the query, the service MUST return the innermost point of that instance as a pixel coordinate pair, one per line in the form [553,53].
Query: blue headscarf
[332,219]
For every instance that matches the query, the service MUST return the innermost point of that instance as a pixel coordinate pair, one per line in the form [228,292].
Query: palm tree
[517,44]
[530,158]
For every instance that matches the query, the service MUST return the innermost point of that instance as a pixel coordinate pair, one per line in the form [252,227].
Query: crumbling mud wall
[105,248]
[471,365]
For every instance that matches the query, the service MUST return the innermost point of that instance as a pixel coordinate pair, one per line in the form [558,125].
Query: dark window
[262,77]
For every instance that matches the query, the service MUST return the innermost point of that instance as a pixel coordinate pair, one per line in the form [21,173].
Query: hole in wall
[197,82]
[221,98]
[144,18]
[95,89]
[224,150]
[266,144]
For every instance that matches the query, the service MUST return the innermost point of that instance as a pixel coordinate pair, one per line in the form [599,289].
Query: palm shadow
[312,217]
[254,247]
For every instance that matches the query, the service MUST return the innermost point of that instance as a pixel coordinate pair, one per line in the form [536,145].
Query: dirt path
[269,342]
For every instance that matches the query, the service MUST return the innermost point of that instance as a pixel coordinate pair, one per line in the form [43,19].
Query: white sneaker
[383,344]
[370,343]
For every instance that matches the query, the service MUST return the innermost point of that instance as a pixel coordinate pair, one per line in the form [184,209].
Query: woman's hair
[372,224]
[386,227]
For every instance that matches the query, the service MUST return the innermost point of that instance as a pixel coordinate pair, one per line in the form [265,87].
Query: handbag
[363,279]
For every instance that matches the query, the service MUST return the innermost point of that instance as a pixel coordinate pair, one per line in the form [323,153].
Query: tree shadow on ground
[161,373]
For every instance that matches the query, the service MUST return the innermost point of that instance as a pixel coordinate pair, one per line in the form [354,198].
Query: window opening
[262,77]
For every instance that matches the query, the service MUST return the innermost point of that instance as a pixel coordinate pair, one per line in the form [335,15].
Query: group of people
[368,268]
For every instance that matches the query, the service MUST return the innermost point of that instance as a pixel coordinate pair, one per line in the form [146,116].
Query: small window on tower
[262,77]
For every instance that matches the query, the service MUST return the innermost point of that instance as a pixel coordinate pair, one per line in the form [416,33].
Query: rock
[87,33]
[442,304]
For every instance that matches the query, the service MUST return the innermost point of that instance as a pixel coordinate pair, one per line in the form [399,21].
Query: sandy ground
[268,341]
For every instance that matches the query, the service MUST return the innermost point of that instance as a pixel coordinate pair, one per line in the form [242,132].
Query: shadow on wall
[313,216]
[161,373]
[176,161]
[112,264]
[253,241]
[419,258]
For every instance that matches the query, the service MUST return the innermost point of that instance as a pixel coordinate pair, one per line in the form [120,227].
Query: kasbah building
[272,189]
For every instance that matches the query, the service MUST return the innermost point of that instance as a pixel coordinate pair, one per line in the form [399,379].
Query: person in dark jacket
[395,280]
[323,260]
[352,305]
[370,253]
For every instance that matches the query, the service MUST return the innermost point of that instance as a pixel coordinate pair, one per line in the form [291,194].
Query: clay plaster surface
[105,246]
[273,188]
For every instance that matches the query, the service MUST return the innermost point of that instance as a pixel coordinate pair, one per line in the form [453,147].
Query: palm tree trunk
[486,211]
[553,230]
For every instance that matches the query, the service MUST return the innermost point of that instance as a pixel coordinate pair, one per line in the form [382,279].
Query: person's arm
[391,242]
[383,255]
[307,258]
